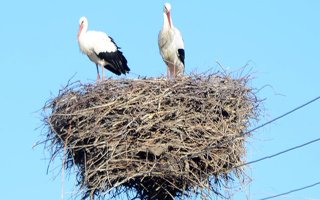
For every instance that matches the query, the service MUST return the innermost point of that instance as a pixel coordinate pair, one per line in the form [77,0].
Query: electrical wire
[279,153]
[275,119]
[258,127]
[281,116]
[291,191]
[284,151]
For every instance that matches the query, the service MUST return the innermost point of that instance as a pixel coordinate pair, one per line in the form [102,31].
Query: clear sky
[280,40]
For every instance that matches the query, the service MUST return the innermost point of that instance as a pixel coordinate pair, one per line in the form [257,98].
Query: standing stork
[101,49]
[171,45]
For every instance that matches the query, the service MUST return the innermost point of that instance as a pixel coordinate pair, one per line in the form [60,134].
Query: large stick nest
[159,138]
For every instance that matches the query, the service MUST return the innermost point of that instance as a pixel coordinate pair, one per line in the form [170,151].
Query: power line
[281,152]
[260,126]
[275,119]
[291,191]
[271,121]
[281,116]
[284,151]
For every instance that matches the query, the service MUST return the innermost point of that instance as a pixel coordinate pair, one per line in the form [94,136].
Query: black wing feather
[117,63]
[181,55]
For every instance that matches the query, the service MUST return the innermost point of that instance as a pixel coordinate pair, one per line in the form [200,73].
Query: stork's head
[83,24]
[166,10]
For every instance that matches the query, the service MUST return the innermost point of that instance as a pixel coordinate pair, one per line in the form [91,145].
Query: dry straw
[156,138]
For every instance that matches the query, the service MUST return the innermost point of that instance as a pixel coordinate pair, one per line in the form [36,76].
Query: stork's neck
[167,21]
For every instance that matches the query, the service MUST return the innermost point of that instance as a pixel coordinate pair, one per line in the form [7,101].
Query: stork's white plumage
[101,49]
[171,45]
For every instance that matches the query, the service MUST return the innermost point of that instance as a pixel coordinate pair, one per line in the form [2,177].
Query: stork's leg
[98,74]
[168,72]
[174,71]
[102,72]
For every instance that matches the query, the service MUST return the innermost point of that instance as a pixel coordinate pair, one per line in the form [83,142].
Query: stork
[171,45]
[101,49]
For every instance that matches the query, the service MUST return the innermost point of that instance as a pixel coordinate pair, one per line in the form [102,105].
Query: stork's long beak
[80,29]
[169,18]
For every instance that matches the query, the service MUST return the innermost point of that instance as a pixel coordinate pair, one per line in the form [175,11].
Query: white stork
[101,49]
[171,45]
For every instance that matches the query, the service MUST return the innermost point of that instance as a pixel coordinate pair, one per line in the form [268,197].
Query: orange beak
[80,30]
[169,19]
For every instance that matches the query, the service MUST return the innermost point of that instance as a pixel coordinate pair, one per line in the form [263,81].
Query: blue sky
[279,39]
